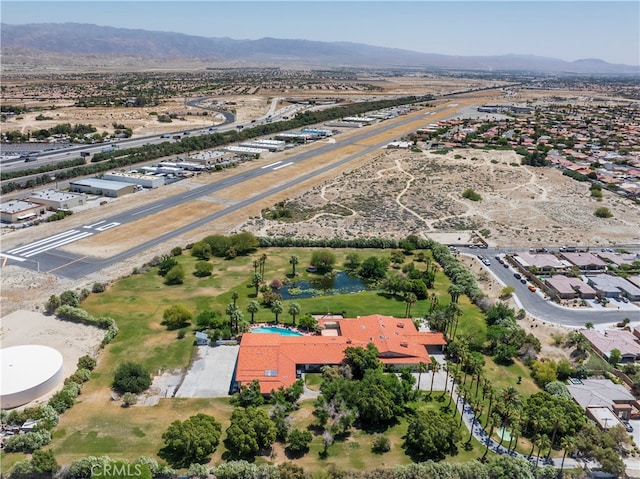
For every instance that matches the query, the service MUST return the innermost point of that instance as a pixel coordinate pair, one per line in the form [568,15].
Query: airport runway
[45,255]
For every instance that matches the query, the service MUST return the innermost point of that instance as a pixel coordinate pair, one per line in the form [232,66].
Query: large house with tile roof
[276,360]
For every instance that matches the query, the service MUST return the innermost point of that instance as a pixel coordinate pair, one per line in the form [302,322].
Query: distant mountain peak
[89,39]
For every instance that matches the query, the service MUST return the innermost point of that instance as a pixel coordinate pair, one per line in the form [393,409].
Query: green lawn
[97,425]
[354,452]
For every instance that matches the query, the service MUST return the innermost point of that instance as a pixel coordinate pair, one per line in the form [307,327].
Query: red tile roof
[272,358]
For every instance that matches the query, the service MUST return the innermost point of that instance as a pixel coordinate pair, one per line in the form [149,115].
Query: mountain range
[96,41]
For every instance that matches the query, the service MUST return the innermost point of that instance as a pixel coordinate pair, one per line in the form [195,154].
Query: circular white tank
[27,373]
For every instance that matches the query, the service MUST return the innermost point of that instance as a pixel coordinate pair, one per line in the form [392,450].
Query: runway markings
[47,244]
[269,166]
[61,239]
[107,226]
[283,166]
[147,209]
[88,227]
[8,256]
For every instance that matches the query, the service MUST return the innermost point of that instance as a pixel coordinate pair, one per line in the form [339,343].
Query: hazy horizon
[569,30]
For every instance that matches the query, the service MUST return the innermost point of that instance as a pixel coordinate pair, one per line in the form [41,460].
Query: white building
[17,211]
[146,181]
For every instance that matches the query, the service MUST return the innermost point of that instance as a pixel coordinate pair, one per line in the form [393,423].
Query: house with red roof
[277,361]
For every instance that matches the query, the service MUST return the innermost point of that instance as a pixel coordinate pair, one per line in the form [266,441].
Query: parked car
[532,288]
[517,275]
[523,281]
[505,265]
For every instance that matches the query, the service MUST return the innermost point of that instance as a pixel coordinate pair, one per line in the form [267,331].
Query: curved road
[544,309]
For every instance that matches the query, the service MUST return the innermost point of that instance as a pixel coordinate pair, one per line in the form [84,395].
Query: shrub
[98,288]
[176,317]
[470,194]
[175,275]
[131,377]
[86,362]
[603,212]
[203,269]
[381,444]
[28,442]
[129,399]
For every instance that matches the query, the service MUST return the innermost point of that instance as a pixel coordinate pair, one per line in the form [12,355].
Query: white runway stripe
[282,166]
[44,241]
[272,164]
[62,242]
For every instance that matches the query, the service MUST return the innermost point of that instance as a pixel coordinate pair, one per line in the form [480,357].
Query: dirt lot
[399,192]
[70,339]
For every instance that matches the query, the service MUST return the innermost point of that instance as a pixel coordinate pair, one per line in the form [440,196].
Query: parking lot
[211,373]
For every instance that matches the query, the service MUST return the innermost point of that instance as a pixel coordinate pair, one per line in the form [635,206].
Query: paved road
[45,255]
[472,424]
[546,310]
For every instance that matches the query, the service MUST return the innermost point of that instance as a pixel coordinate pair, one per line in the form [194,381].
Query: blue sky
[568,30]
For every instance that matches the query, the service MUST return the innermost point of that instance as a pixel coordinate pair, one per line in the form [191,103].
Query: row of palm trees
[503,406]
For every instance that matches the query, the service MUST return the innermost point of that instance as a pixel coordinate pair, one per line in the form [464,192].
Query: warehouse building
[58,200]
[344,124]
[264,148]
[244,151]
[97,186]
[18,211]
[317,131]
[301,137]
[146,181]
[210,157]
[365,120]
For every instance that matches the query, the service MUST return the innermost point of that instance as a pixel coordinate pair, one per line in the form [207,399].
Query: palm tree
[256,265]
[294,310]
[230,311]
[409,298]
[446,378]
[293,261]
[422,368]
[568,444]
[494,419]
[455,290]
[453,312]
[435,367]
[515,435]
[492,394]
[256,282]
[465,394]
[234,297]
[252,308]
[263,261]
[433,302]
[276,308]
[543,443]
[456,372]
[236,317]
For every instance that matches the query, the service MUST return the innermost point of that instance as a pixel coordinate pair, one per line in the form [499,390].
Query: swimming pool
[275,330]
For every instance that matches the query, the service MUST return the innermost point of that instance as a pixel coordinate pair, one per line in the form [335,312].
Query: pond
[341,283]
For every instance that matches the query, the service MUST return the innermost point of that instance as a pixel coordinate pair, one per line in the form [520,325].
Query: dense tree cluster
[131,377]
[360,390]
[251,430]
[191,441]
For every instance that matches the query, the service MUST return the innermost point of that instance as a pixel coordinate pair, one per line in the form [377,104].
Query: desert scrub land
[400,192]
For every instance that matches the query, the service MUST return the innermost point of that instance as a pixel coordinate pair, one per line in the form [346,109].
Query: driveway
[211,373]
